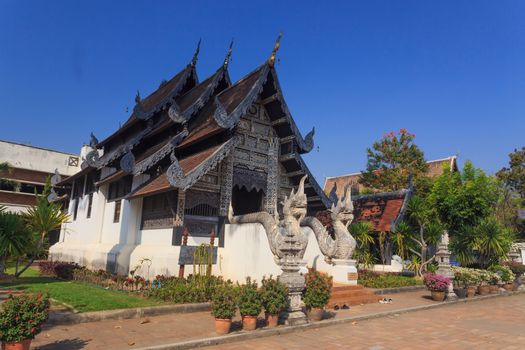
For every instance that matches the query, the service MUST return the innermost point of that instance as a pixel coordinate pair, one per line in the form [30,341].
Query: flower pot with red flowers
[437,284]
[250,304]
[223,306]
[317,294]
[21,320]
[273,294]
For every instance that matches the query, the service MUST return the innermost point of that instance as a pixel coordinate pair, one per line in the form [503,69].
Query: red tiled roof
[380,210]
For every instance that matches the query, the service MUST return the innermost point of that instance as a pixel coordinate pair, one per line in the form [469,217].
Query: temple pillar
[178,220]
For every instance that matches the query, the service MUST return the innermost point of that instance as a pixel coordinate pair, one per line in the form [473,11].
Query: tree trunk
[33,257]
[2,265]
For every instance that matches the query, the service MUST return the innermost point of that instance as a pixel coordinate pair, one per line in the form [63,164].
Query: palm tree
[362,232]
[15,238]
[492,241]
[400,237]
[43,218]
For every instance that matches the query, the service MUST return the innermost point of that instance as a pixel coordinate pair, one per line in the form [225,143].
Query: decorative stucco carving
[273,176]
[226,185]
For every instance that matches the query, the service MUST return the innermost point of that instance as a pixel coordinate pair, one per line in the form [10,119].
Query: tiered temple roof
[185,128]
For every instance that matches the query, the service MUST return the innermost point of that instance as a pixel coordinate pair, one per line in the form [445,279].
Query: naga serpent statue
[288,244]
[341,245]
[281,233]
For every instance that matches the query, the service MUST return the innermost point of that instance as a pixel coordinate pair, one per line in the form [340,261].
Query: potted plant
[223,306]
[274,299]
[494,281]
[461,281]
[21,320]
[317,293]
[505,275]
[484,278]
[473,280]
[250,304]
[437,285]
[518,270]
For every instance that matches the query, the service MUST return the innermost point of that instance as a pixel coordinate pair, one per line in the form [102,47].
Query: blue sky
[452,72]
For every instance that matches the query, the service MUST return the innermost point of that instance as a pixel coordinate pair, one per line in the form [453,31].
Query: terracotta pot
[484,290]
[515,286]
[437,295]
[493,288]
[461,292]
[315,314]
[22,345]
[272,320]
[508,286]
[471,292]
[249,323]
[223,325]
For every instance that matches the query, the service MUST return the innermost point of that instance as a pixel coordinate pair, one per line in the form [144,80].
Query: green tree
[464,198]
[15,238]
[43,218]
[492,241]
[514,175]
[392,160]
[427,229]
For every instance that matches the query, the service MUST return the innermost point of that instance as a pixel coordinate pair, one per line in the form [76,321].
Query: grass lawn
[82,296]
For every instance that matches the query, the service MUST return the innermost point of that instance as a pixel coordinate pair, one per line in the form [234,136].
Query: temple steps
[351,296]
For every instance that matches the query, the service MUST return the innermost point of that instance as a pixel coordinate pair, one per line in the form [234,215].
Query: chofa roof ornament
[196,54]
[271,60]
[228,56]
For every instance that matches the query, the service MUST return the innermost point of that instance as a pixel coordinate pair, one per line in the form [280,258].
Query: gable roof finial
[271,60]
[228,55]
[196,54]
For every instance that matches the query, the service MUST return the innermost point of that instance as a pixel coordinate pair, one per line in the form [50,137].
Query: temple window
[119,188]
[116,213]
[90,205]
[158,211]
[200,212]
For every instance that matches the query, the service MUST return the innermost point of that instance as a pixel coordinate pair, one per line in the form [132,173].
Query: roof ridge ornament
[271,60]
[196,54]
[228,56]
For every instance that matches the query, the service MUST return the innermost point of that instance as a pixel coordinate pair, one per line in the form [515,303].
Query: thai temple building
[189,151]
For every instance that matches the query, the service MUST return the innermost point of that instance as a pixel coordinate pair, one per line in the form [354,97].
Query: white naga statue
[288,244]
[341,245]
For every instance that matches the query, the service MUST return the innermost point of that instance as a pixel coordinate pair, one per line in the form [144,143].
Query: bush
[250,302]
[195,289]
[224,302]
[318,289]
[504,272]
[59,269]
[274,295]
[372,279]
[517,268]
[466,277]
[22,317]
[435,282]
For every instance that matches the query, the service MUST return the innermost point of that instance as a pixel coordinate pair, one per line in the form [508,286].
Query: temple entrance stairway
[351,296]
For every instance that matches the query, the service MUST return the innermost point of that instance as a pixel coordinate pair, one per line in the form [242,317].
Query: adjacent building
[29,167]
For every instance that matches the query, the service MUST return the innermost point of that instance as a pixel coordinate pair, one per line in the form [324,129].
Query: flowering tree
[392,160]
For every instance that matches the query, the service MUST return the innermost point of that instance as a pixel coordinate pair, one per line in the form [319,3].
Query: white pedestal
[344,272]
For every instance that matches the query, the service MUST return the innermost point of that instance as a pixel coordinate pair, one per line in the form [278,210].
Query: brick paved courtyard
[490,324]
[495,323]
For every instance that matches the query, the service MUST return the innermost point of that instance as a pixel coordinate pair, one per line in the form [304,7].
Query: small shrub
[318,289]
[273,295]
[504,273]
[59,269]
[516,268]
[435,282]
[372,279]
[22,316]
[224,302]
[250,302]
